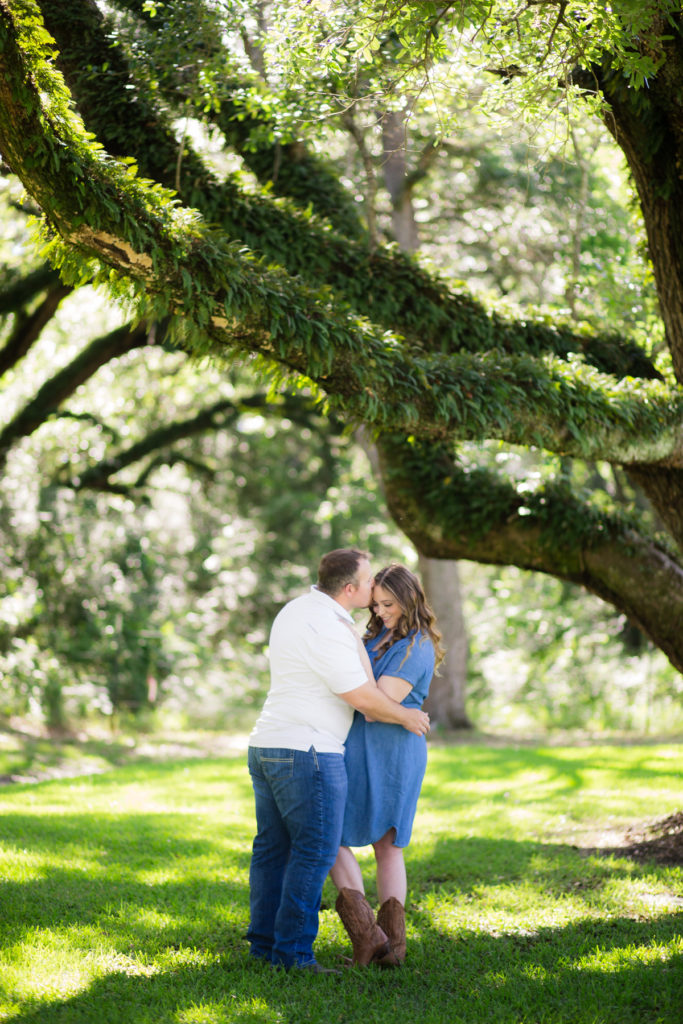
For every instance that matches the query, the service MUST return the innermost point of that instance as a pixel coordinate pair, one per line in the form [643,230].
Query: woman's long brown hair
[416,613]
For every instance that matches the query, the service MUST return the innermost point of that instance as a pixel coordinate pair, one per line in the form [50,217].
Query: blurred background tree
[146,542]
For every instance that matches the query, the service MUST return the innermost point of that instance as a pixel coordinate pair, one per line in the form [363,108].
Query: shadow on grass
[201,772]
[457,766]
[128,868]
[171,898]
[129,865]
[470,863]
[35,757]
[473,978]
[43,756]
[116,837]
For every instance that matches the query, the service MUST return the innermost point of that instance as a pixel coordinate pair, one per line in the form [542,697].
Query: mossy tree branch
[289,167]
[232,303]
[62,384]
[221,415]
[28,326]
[450,512]
[384,285]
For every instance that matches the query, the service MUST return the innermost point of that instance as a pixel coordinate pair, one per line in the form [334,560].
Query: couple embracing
[337,759]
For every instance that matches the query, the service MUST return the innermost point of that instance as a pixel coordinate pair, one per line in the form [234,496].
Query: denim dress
[385,763]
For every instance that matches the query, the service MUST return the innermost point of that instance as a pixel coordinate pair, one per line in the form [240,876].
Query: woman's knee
[384,847]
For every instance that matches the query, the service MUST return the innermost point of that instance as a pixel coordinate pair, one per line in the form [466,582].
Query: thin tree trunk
[446,701]
[440,577]
[403,223]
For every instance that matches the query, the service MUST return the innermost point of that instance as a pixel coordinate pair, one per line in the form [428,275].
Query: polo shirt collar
[337,608]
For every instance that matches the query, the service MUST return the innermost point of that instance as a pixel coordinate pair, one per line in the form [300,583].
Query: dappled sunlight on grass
[627,957]
[242,1010]
[28,755]
[581,782]
[125,899]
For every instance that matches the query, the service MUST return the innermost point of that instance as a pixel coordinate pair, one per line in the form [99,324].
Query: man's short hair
[339,567]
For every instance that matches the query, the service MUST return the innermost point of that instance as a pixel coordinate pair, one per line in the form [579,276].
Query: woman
[386,766]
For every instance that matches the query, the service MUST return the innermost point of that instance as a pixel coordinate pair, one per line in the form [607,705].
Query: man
[319,675]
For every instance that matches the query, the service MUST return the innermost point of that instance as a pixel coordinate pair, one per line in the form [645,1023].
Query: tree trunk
[440,578]
[664,489]
[446,701]
[647,125]
[403,222]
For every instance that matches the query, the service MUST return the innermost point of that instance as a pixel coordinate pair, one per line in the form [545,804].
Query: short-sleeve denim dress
[386,763]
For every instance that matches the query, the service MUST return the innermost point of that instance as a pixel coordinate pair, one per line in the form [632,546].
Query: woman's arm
[394,687]
[378,705]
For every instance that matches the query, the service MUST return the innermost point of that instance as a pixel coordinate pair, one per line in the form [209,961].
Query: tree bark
[629,571]
[441,580]
[664,489]
[647,125]
[403,223]
[446,701]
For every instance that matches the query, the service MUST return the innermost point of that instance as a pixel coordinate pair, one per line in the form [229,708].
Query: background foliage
[156,591]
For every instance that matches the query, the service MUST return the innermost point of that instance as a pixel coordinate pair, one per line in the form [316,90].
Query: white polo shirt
[313,657]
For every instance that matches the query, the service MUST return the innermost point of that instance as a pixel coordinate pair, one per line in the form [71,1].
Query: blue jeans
[300,797]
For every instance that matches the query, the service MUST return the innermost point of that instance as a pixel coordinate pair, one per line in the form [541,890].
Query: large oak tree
[247,274]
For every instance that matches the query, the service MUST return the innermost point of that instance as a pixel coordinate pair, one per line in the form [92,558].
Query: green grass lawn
[124,898]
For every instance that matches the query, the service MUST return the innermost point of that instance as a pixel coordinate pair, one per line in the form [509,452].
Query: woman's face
[386,606]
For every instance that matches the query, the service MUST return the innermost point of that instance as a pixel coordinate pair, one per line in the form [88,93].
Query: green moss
[472,501]
[385,285]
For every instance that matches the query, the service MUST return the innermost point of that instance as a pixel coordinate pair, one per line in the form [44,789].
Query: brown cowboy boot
[391,918]
[367,938]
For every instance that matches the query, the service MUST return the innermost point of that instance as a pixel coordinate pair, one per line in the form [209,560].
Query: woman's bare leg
[345,872]
[391,869]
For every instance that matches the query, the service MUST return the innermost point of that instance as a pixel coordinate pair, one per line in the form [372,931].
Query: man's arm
[370,701]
